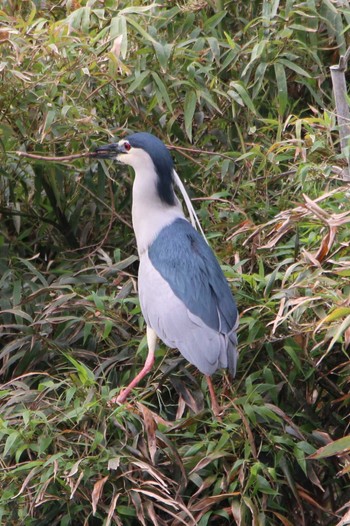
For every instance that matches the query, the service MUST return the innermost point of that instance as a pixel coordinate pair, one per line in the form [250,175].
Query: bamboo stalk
[342,108]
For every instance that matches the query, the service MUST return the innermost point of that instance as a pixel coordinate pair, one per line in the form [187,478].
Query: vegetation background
[242,93]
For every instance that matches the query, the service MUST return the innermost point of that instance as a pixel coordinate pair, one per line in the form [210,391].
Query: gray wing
[187,263]
[205,347]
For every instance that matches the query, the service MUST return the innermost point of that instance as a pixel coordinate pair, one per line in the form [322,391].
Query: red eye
[127,146]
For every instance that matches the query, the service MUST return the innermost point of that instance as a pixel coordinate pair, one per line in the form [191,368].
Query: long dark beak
[109,151]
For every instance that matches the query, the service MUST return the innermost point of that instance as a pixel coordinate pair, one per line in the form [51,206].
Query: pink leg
[214,403]
[151,342]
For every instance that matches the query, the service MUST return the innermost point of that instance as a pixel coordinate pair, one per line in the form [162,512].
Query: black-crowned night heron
[184,296]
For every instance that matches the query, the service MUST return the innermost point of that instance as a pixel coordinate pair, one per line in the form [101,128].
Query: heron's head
[147,155]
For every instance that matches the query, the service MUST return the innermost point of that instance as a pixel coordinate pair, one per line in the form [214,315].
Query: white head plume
[191,211]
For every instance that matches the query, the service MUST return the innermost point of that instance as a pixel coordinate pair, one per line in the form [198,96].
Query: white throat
[149,214]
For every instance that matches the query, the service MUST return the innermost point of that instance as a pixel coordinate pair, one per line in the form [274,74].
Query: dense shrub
[241,92]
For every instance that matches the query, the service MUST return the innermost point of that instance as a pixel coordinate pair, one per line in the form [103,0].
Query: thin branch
[48,158]
[14,212]
[93,154]
[197,150]
[111,209]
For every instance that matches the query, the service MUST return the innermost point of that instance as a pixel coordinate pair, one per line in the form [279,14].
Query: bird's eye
[127,146]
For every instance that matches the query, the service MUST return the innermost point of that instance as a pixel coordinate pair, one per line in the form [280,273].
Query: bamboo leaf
[118,27]
[337,313]
[162,90]
[339,332]
[294,67]
[139,80]
[189,109]
[163,52]
[281,87]
[241,90]
[10,442]
[337,447]
[139,28]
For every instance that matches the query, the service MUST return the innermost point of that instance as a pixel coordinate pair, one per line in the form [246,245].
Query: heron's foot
[118,400]
[217,410]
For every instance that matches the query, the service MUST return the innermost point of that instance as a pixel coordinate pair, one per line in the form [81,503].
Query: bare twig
[93,154]
[200,152]
[50,158]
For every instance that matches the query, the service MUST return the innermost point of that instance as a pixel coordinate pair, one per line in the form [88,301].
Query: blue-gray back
[187,263]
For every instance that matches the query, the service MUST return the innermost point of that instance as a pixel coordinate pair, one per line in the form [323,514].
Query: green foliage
[241,90]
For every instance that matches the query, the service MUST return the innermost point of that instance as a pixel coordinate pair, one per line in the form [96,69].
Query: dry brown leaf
[75,486]
[322,437]
[283,519]
[285,221]
[96,493]
[241,475]
[295,304]
[345,520]
[194,400]
[310,258]
[236,511]
[138,504]
[150,429]
[74,468]
[238,264]
[340,219]
[207,460]
[157,418]
[176,504]
[279,318]
[248,430]
[116,47]
[209,481]
[279,230]
[311,473]
[168,501]
[159,477]
[242,228]
[326,244]
[347,337]
[30,475]
[41,496]
[344,471]
[208,502]
[181,406]
[151,512]
[306,496]
[345,397]
[315,209]
[111,509]
[253,510]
